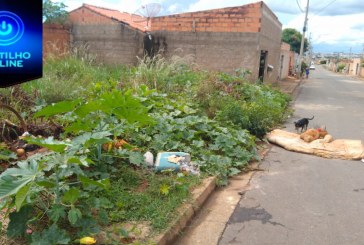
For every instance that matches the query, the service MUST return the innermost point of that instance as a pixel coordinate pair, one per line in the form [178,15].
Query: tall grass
[167,75]
[70,76]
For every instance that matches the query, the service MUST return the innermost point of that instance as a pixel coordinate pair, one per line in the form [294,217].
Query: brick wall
[355,67]
[285,60]
[221,39]
[112,43]
[270,40]
[245,18]
[84,15]
[56,39]
[361,73]
[292,63]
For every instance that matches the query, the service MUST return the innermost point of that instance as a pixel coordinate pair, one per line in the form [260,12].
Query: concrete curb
[187,212]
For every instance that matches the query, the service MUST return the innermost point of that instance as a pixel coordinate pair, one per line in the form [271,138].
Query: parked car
[312,67]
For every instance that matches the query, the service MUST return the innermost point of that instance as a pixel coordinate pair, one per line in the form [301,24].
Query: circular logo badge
[11,28]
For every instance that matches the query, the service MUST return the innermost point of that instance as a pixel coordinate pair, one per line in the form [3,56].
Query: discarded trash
[149,158]
[178,161]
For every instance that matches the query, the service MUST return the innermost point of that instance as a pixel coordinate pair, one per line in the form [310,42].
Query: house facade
[226,39]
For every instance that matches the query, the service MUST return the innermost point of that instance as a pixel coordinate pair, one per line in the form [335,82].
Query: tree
[54,12]
[293,37]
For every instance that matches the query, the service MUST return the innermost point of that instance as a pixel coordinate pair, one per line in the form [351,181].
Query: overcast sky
[334,25]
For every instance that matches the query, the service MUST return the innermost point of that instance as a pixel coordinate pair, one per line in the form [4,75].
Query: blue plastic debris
[177,161]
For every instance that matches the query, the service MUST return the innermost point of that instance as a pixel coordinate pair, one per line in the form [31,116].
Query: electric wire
[299,6]
[319,11]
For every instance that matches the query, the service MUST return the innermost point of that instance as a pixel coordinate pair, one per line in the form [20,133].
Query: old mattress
[340,148]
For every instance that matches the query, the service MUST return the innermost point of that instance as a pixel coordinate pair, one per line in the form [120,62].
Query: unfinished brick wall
[285,60]
[84,15]
[220,39]
[56,39]
[245,18]
[225,39]
[270,40]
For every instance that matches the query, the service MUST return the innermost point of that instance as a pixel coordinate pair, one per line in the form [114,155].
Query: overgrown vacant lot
[81,168]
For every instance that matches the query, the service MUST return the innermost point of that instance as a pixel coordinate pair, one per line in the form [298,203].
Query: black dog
[302,123]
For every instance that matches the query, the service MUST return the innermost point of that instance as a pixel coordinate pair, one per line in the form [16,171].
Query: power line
[299,6]
[325,6]
[316,13]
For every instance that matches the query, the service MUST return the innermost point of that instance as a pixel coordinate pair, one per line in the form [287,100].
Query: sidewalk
[206,223]
[288,85]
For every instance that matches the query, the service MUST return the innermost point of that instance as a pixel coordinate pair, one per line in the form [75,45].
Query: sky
[333,25]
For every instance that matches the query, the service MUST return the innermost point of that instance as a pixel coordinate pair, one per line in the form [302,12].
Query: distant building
[287,62]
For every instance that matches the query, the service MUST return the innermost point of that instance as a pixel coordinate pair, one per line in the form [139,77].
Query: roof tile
[135,21]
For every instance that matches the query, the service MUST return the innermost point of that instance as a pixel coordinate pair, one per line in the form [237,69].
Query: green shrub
[257,108]
[66,194]
[340,67]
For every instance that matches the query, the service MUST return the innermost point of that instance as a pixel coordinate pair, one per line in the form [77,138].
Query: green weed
[138,197]
[160,105]
[69,78]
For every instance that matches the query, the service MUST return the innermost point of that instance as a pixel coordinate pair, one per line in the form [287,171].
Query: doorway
[262,61]
[149,44]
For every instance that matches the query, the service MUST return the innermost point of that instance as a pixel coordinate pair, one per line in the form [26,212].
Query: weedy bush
[70,76]
[340,67]
[60,195]
[258,108]
[65,194]
[255,107]
[165,75]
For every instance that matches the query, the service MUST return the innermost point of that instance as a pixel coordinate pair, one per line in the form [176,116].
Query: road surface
[304,199]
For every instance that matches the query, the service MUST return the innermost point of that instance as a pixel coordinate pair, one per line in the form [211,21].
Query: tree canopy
[293,37]
[54,12]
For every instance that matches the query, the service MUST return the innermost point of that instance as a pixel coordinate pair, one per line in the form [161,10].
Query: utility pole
[303,41]
[350,54]
[310,49]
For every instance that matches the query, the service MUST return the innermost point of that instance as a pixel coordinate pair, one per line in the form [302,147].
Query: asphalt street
[304,199]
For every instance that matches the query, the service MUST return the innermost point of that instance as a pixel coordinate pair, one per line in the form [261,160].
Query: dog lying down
[348,149]
[315,134]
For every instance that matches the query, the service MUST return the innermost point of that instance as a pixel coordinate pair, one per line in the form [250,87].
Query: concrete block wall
[56,39]
[245,18]
[355,66]
[112,43]
[292,59]
[270,40]
[285,60]
[219,51]
[220,39]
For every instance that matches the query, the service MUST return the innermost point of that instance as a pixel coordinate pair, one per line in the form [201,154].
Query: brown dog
[313,134]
